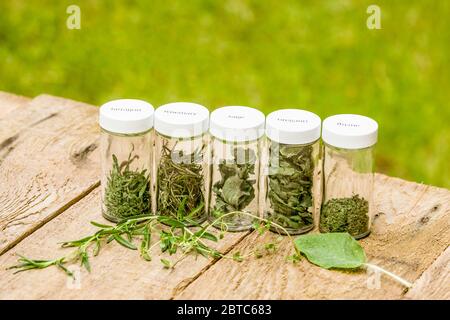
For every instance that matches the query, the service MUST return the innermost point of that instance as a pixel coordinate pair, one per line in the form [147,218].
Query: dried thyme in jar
[182,161]
[126,156]
[348,174]
[236,141]
[293,138]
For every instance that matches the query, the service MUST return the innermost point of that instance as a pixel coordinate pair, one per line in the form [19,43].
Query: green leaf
[99,225]
[171,222]
[232,190]
[207,235]
[124,242]
[331,250]
[166,263]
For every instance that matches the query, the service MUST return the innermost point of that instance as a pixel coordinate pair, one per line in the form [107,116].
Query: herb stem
[255,217]
[390,274]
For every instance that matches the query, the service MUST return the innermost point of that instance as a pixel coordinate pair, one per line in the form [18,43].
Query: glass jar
[182,156]
[293,171]
[348,174]
[236,142]
[126,157]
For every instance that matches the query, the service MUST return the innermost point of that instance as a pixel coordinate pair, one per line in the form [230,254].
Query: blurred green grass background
[316,55]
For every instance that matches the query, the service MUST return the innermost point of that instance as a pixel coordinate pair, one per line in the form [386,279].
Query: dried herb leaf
[345,215]
[291,170]
[180,185]
[235,191]
[127,192]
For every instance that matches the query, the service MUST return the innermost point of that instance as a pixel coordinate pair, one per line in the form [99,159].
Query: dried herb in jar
[345,215]
[181,184]
[127,191]
[235,190]
[291,174]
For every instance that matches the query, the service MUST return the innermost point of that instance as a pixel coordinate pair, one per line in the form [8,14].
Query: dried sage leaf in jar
[235,190]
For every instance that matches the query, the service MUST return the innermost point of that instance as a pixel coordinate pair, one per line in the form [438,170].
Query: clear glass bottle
[182,156]
[126,157]
[236,143]
[292,175]
[347,204]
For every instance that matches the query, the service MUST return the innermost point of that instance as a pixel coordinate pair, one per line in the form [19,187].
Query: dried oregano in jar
[236,141]
[292,174]
[181,155]
[126,155]
[348,174]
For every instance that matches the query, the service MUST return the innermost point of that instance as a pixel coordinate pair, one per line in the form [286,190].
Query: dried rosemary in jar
[348,174]
[236,141]
[182,161]
[293,146]
[126,154]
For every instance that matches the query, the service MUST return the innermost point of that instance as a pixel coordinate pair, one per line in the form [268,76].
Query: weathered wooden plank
[10,102]
[116,273]
[434,283]
[409,233]
[48,160]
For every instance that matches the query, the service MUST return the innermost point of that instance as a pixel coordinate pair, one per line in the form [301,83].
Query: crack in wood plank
[185,283]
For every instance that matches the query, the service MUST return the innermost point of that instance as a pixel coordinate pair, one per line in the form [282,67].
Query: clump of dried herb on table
[127,191]
[345,215]
[235,190]
[291,171]
[180,185]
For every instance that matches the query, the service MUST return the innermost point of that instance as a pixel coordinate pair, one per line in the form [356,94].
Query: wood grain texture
[48,160]
[434,283]
[10,102]
[117,273]
[410,231]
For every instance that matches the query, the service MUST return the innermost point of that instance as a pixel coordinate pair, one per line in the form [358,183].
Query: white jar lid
[237,123]
[126,116]
[293,126]
[182,119]
[350,131]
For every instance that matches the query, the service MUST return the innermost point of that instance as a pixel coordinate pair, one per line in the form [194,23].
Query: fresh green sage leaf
[331,250]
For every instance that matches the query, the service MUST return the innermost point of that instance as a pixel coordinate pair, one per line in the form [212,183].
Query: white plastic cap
[350,131]
[181,119]
[237,123]
[126,116]
[293,126]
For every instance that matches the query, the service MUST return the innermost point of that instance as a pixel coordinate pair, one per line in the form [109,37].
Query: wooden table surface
[49,186]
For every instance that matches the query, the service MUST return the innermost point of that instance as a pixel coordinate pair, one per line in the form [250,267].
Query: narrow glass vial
[236,142]
[182,155]
[292,172]
[126,152]
[348,174]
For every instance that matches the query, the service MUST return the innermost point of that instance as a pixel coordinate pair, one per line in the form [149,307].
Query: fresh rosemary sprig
[127,191]
[174,236]
[180,185]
